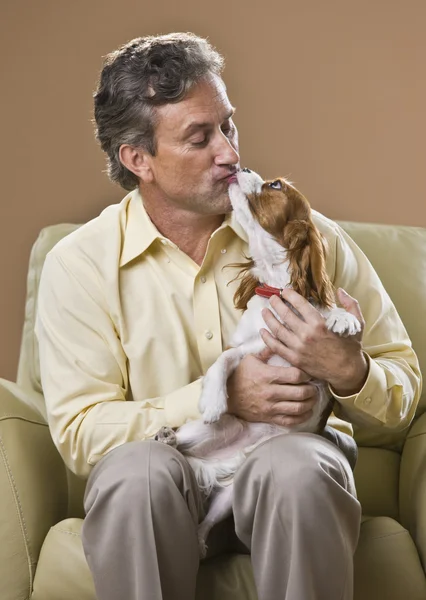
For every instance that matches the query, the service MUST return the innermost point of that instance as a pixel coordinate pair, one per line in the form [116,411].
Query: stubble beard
[218,205]
[212,204]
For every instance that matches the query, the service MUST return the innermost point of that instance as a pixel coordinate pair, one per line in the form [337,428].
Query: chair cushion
[63,572]
[386,566]
[377,482]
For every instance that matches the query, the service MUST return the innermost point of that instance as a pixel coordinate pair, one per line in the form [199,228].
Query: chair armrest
[33,489]
[412,486]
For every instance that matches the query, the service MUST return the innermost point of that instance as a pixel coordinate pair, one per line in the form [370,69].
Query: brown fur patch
[286,215]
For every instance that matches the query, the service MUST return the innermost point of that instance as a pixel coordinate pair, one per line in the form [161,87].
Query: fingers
[281,332]
[351,305]
[277,345]
[272,374]
[293,400]
[259,392]
[287,421]
[287,375]
[285,313]
[264,355]
[289,326]
[306,310]
[295,411]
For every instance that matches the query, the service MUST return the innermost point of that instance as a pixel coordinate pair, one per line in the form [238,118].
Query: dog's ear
[322,290]
[296,241]
[245,290]
[306,252]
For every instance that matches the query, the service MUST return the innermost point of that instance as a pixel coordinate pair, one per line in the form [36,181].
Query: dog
[286,250]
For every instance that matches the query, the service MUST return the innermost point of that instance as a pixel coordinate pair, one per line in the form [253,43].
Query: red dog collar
[266,291]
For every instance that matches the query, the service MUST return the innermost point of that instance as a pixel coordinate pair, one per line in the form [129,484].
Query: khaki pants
[295,511]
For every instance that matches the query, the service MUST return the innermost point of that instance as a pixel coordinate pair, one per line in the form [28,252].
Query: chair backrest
[398,254]
[28,376]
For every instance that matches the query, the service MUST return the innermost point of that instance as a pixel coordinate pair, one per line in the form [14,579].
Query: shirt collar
[140,232]
[231,221]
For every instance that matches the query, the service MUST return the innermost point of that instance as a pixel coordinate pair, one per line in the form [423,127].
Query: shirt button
[203,279]
[223,250]
[208,335]
[367,401]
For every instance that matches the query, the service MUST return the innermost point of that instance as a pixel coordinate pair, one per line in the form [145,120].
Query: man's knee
[294,480]
[297,464]
[135,470]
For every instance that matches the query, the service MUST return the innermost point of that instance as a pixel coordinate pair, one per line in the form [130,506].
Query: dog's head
[281,210]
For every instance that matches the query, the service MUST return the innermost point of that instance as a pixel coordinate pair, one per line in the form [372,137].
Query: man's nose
[227,154]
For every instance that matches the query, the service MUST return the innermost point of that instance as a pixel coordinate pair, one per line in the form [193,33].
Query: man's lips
[232,178]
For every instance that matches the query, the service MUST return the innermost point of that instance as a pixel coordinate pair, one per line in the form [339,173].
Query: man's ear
[137,160]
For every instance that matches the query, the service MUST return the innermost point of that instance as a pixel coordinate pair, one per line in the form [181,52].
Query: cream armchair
[41,555]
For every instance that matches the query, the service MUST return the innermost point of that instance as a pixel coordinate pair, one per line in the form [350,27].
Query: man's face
[197,150]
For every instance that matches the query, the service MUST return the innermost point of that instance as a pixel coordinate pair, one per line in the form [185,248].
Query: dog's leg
[213,400]
[220,508]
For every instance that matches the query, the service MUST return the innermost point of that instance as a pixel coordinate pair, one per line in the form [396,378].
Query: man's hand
[305,342]
[264,393]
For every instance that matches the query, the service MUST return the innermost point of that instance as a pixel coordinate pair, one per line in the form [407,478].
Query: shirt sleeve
[84,372]
[391,392]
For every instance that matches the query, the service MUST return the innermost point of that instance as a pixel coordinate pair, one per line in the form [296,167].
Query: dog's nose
[245,170]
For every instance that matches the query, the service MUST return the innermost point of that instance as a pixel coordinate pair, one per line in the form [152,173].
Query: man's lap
[299,449]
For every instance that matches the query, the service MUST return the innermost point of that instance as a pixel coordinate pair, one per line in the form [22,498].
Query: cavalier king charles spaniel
[286,250]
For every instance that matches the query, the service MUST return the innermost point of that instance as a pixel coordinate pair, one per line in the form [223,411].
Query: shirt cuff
[340,424]
[182,404]
[369,400]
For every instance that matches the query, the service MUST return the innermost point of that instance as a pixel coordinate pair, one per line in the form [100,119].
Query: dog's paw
[212,415]
[166,435]
[213,403]
[215,407]
[342,322]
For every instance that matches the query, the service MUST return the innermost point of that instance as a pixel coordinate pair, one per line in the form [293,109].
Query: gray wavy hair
[145,73]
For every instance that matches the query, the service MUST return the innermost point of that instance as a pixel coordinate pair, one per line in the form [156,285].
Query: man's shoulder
[329,228]
[331,232]
[96,239]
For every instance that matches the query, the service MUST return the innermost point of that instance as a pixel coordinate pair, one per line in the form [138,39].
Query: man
[137,304]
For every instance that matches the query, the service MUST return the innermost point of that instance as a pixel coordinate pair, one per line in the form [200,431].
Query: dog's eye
[276,185]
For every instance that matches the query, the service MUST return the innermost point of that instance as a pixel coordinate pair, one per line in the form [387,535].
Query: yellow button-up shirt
[128,324]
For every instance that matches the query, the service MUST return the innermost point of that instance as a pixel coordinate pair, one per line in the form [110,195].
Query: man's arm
[393,386]
[84,373]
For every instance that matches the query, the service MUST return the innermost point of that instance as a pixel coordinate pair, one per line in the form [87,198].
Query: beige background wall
[331,94]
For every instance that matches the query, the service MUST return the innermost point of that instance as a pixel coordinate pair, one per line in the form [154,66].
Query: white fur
[217,446]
